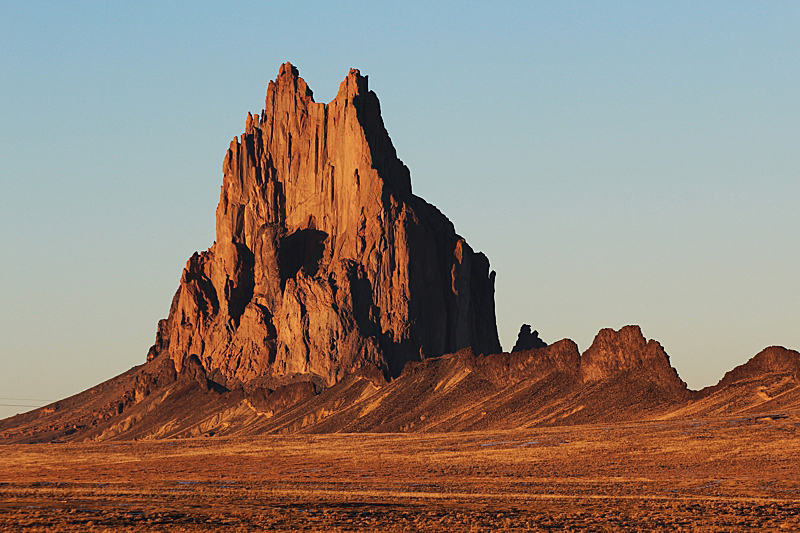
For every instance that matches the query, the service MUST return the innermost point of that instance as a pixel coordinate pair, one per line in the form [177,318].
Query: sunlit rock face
[770,360]
[324,260]
[626,352]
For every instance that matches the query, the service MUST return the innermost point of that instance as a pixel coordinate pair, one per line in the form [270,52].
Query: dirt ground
[734,474]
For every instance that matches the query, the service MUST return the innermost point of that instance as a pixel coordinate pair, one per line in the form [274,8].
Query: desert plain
[721,474]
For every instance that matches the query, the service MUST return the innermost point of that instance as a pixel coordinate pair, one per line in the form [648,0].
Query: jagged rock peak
[324,260]
[626,351]
[527,340]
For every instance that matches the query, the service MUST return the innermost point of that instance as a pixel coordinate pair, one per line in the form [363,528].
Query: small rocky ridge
[770,360]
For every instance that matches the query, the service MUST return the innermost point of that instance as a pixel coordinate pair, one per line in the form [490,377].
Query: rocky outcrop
[527,340]
[561,357]
[770,360]
[324,260]
[626,352]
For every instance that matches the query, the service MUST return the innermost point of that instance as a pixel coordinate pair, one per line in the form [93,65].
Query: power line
[26,399]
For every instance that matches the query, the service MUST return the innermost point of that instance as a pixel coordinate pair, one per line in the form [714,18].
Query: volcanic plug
[324,260]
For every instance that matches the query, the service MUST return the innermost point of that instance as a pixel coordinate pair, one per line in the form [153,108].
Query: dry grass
[701,475]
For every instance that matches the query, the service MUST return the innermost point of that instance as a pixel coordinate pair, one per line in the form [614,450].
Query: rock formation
[527,340]
[770,360]
[327,276]
[533,364]
[626,351]
[621,377]
[324,260]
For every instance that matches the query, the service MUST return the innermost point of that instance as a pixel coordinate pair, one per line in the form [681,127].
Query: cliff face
[324,260]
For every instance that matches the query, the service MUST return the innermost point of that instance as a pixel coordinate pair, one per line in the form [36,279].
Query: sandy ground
[736,474]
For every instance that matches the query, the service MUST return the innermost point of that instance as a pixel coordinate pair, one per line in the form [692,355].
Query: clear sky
[618,162]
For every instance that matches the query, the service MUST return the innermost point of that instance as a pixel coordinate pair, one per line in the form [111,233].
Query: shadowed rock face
[527,340]
[324,259]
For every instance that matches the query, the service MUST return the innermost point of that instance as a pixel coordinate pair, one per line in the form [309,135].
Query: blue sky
[618,162]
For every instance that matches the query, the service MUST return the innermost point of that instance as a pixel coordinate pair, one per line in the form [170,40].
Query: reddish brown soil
[726,474]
